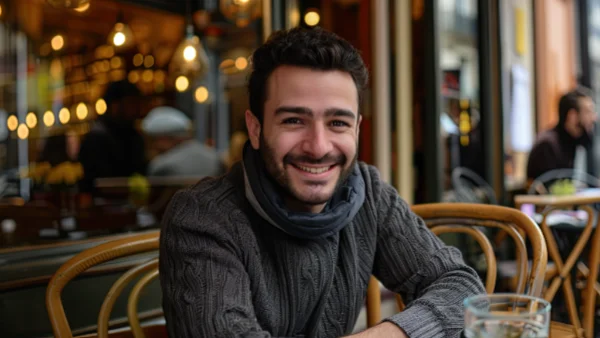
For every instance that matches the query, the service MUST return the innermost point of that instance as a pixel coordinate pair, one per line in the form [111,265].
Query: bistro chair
[468,219]
[132,245]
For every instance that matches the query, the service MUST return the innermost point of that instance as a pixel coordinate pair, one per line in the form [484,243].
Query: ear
[358,126]
[253,126]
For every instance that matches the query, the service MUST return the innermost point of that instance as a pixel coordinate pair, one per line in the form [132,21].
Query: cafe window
[459,63]
[57,67]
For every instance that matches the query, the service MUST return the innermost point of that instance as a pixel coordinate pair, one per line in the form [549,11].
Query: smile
[313,170]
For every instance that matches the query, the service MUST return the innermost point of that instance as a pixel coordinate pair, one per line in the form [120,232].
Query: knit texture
[226,272]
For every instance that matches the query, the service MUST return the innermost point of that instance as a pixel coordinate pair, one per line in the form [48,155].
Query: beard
[280,176]
[587,137]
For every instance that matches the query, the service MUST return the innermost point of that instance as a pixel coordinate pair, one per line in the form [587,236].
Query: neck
[294,205]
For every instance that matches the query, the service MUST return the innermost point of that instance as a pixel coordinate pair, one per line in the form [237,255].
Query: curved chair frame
[466,218]
[132,304]
[81,262]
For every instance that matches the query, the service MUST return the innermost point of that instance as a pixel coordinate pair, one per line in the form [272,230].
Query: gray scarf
[265,196]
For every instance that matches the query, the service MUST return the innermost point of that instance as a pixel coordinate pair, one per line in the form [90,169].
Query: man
[285,243]
[179,153]
[556,148]
[113,147]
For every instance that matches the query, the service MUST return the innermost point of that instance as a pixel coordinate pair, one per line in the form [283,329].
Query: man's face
[587,120]
[309,135]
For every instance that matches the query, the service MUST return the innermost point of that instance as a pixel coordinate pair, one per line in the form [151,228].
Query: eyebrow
[307,111]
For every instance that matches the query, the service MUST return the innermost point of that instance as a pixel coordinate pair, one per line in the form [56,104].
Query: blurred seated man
[179,153]
[114,147]
[556,148]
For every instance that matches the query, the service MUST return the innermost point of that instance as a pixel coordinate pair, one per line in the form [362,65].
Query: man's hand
[385,329]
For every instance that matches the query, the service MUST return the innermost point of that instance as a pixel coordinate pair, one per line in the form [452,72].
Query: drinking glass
[506,315]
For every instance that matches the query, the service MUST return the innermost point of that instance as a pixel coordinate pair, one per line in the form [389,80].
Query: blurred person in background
[114,147]
[62,146]
[179,154]
[556,148]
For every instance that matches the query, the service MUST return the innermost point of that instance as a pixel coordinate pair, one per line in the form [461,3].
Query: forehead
[314,89]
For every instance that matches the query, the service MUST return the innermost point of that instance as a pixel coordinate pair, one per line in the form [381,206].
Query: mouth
[313,170]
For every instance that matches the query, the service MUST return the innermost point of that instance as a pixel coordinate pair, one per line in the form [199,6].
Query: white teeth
[314,170]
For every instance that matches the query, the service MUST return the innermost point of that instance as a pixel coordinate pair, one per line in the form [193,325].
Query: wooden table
[584,202]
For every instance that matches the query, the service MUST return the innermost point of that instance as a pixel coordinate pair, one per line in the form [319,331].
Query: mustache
[328,158]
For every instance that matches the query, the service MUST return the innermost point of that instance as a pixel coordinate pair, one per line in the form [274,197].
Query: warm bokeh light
[119,39]
[64,115]
[159,76]
[201,94]
[149,61]
[115,62]
[12,123]
[189,53]
[241,63]
[312,18]
[83,8]
[133,77]
[57,42]
[31,120]
[138,59]
[100,107]
[182,83]
[49,118]
[81,111]
[147,75]
[0,10]
[23,131]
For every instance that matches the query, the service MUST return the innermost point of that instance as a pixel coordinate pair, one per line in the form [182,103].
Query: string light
[201,94]
[23,131]
[81,111]
[12,123]
[312,18]
[31,120]
[64,115]
[182,83]
[49,118]
[57,42]
[101,107]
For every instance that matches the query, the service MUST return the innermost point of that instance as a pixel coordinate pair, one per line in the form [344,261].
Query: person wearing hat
[179,153]
[114,147]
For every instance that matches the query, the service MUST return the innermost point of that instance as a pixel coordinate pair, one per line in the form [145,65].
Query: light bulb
[49,119]
[64,115]
[22,131]
[189,53]
[182,83]
[83,8]
[201,94]
[31,120]
[12,123]
[57,42]
[100,107]
[81,111]
[241,63]
[312,18]
[119,39]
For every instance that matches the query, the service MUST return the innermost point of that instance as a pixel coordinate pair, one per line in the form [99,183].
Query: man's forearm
[385,329]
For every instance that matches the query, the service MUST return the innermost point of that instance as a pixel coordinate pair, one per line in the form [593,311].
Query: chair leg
[373,303]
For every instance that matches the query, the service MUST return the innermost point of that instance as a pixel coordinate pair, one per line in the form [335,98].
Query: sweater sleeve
[206,290]
[431,277]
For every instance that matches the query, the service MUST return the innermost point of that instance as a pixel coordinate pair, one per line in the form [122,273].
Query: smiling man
[284,244]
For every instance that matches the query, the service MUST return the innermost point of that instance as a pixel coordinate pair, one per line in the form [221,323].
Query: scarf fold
[266,197]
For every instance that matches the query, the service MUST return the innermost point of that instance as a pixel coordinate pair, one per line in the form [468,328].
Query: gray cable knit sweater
[226,272]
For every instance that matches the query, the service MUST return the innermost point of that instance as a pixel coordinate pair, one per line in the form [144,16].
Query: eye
[338,123]
[292,120]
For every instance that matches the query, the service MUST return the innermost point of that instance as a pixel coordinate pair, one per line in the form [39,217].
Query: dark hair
[570,101]
[119,90]
[55,150]
[311,48]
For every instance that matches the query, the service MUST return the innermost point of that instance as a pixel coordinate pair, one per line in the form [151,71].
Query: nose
[317,142]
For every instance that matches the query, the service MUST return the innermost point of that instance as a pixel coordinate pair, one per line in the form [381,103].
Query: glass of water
[506,315]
